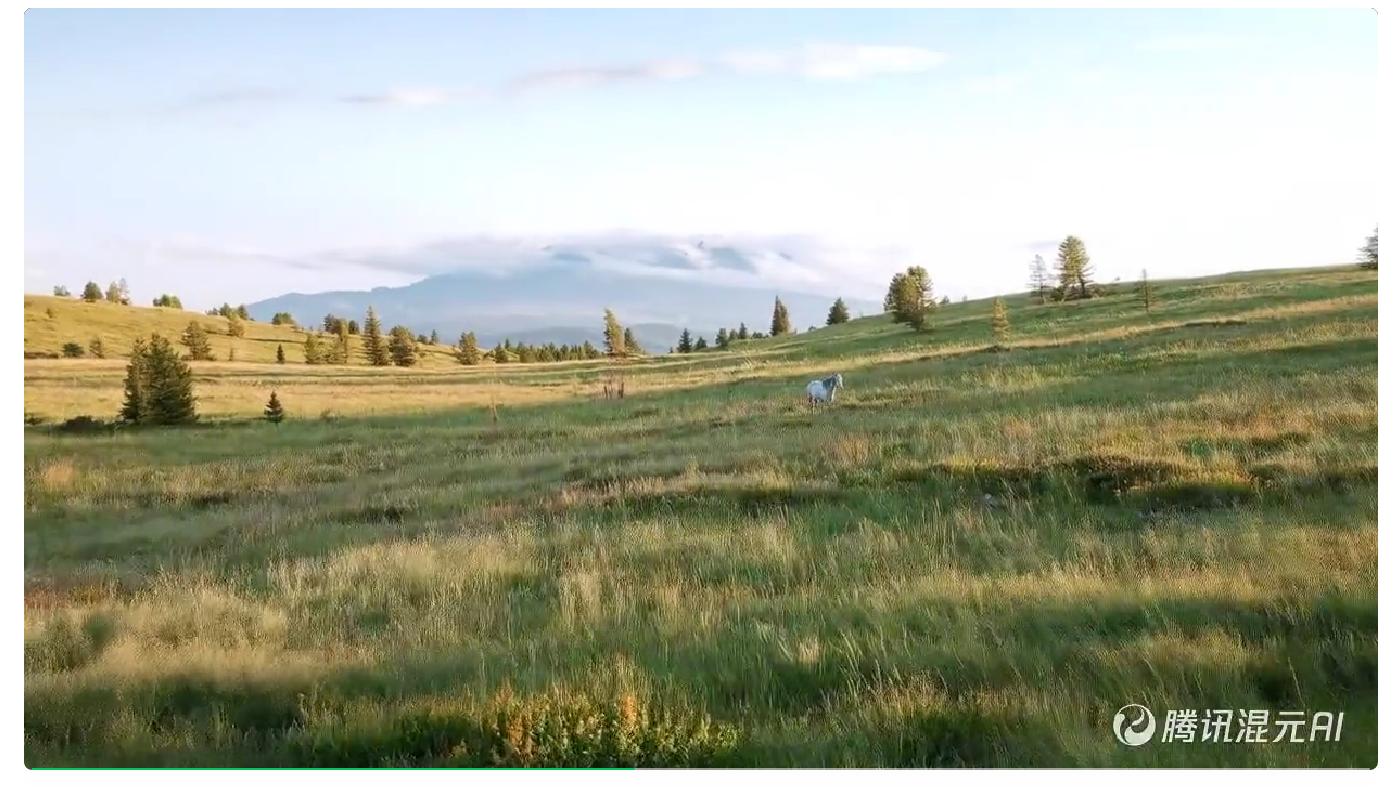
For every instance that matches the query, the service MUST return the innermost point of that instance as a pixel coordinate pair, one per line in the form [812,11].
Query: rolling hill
[974,557]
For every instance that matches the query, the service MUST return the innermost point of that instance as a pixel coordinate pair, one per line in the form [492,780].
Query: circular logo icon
[1133,725]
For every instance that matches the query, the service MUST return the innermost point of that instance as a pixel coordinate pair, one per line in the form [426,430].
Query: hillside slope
[972,558]
[50,322]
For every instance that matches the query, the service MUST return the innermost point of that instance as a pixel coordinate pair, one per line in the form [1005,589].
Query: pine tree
[1368,254]
[114,294]
[402,348]
[701,344]
[613,335]
[197,341]
[838,313]
[686,342]
[92,292]
[159,387]
[353,328]
[1073,268]
[632,346]
[742,331]
[168,301]
[780,319]
[283,318]
[242,313]
[280,354]
[500,354]
[273,411]
[467,350]
[722,338]
[433,339]
[1145,291]
[374,349]
[135,388]
[314,353]
[1039,281]
[999,322]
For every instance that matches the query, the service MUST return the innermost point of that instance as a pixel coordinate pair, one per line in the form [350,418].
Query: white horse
[822,390]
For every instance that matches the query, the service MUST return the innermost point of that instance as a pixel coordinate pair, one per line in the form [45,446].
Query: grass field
[973,558]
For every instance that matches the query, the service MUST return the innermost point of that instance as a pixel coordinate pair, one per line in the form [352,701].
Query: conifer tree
[467,350]
[92,292]
[722,338]
[500,354]
[314,353]
[686,342]
[242,313]
[273,411]
[235,326]
[742,331]
[780,319]
[1039,281]
[159,387]
[433,339]
[838,313]
[402,348]
[353,328]
[701,344]
[197,341]
[1073,268]
[136,386]
[375,351]
[632,346]
[613,335]
[911,297]
[999,323]
[280,354]
[59,291]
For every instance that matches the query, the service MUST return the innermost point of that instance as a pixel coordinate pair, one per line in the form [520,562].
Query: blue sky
[235,155]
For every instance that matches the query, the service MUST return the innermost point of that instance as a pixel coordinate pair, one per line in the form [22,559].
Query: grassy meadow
[972,558]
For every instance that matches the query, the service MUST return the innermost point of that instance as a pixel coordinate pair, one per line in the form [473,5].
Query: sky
[238,155]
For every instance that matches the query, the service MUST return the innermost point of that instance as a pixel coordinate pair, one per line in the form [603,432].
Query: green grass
[1181,512]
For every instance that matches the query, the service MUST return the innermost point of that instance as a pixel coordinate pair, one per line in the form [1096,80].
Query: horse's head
[837,381]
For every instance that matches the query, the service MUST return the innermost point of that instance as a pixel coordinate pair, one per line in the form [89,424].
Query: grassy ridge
[973,558]
[50,322]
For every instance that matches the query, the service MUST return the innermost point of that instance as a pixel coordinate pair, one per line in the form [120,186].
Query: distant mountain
[559,297]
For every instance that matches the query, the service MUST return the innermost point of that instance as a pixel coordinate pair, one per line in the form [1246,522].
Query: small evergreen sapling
[273,412]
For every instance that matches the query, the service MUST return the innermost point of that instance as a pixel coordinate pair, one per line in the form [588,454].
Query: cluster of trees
[618,340]
[168,301]
[159,388]
[909,297]
[1073,274]
[231,312]
[116,292]
[780,326]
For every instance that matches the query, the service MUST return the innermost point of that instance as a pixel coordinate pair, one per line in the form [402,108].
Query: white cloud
[595,76]
[412,97]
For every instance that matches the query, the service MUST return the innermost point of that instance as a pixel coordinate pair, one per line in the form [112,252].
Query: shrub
[72,350]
